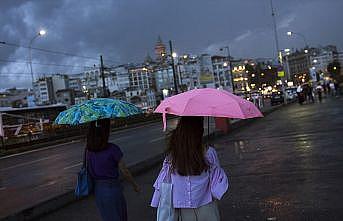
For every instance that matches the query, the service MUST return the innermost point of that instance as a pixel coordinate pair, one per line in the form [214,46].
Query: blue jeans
[110,200]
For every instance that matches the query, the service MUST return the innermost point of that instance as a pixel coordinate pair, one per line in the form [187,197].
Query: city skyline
[128,35]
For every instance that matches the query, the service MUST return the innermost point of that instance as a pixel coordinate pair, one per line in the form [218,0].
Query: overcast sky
[126,30]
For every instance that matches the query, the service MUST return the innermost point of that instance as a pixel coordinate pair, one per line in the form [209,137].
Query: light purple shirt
[194,191]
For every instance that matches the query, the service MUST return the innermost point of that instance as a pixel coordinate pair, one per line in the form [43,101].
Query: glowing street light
[174,55]
[315,61]
[290,33]
[42,32]
[225,64]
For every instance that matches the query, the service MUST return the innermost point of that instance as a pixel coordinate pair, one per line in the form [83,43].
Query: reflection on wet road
[287,166]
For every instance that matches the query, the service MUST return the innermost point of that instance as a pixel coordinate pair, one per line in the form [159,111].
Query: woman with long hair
[105,160]
[197,178]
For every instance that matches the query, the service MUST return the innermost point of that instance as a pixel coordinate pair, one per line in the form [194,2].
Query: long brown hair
[185,147]
[98,133]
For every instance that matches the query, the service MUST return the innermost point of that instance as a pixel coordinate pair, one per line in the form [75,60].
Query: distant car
[291,94]
[277,98]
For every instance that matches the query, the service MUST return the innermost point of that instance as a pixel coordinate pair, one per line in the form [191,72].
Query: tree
[334,69]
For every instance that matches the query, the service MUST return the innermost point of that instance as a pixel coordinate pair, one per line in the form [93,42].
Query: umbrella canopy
[208,102]
[95,109]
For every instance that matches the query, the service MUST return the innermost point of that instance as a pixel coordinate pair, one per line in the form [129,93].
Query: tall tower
[160,50]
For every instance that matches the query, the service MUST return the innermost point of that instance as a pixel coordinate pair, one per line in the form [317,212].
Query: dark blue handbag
[84,185]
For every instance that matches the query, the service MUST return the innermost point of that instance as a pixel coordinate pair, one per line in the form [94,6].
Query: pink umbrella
[207,102]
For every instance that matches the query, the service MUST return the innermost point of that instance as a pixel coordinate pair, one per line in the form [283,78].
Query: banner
[281,74]
[206,77]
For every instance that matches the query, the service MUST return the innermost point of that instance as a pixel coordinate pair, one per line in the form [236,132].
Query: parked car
[277,98]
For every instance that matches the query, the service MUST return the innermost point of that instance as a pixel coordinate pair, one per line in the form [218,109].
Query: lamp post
[173,55]
[230,65]
[290,33]
[40,33]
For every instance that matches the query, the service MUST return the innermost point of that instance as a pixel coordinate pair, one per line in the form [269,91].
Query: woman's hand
[137,188]
[127,175]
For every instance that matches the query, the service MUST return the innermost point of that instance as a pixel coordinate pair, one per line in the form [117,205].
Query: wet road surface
[286,166]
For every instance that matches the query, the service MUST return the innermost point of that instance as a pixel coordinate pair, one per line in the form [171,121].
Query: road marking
[156,139]
[72,166]
[47,184]
[120,138]
[37,150]
[30,162]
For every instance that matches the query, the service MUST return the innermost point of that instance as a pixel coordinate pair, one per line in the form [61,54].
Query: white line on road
[120,138]
[30,162]
[37,150]
[72,166]
[156,139]
[47,184]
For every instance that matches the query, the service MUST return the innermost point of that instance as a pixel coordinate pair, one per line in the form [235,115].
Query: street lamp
[229,64]
[40,33]
[290,33]
[173,64]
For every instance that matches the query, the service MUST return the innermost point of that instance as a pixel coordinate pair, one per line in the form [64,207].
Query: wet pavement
[286,166]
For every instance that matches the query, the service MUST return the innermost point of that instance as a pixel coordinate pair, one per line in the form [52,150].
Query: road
[28,178]
[286,166]
[36,176]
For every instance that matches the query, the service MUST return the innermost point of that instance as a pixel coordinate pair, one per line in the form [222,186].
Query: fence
[53,132]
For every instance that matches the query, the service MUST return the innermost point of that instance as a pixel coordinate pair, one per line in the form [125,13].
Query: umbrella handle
[164,120]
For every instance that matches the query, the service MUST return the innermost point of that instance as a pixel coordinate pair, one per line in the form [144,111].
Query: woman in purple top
[197,178]
[104,163]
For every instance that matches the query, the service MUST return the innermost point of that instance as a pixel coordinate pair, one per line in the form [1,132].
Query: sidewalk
[286,166]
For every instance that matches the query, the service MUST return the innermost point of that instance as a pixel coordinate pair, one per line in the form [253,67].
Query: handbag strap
[85,160]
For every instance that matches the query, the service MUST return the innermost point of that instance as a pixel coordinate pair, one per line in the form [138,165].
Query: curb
[60,201]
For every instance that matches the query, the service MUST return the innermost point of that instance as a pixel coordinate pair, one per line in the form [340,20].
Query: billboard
[206,76]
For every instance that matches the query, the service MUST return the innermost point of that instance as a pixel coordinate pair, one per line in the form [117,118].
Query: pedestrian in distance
[310,94]
[305,92]
[332,89]
[337,89]
[105,161]
[329,88]
[197,179]
[300,94]
[319,90]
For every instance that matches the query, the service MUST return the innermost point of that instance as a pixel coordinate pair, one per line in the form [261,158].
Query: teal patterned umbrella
[95,109]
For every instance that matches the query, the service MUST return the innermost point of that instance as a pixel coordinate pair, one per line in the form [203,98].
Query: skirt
[110,200]
[208,212]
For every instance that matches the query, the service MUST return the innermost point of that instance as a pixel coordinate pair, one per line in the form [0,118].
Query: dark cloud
[126,30]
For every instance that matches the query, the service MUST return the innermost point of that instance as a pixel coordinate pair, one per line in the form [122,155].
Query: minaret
[160,50]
